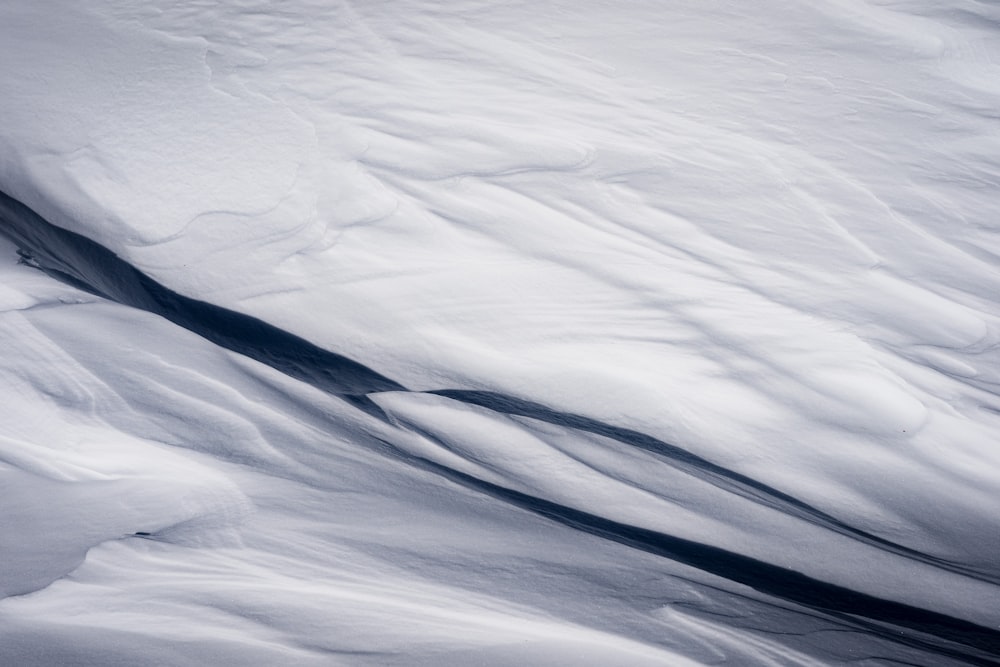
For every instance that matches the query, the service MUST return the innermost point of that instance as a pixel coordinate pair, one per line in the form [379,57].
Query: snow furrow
[86,265]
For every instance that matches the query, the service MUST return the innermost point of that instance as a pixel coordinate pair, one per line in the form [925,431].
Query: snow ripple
[89,266]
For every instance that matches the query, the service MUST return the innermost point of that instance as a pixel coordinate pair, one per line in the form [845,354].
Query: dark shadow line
[75,259]
[87,265]
[934,632]
[703,469]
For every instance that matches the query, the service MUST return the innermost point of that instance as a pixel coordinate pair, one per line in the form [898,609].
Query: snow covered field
[655,332]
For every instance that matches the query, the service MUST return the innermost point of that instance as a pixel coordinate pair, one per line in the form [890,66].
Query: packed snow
[468,333]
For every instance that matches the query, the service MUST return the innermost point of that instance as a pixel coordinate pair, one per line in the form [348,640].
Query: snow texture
[555,333]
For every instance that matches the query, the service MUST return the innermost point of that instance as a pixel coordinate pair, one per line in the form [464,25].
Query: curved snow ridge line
[89,266]
[704,470]
[889,620]
[86,264]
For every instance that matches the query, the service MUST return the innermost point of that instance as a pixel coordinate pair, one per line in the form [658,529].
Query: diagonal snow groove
[720,477]
[943,634]
[85,264]
[89,266]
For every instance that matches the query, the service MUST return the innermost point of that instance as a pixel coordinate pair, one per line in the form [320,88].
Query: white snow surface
[762,232]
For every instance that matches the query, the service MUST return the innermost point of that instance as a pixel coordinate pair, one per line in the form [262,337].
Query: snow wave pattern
[87,265]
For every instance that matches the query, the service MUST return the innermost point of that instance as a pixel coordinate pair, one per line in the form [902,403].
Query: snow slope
[500,333]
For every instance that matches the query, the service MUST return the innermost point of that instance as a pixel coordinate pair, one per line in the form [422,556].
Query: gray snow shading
[87,265]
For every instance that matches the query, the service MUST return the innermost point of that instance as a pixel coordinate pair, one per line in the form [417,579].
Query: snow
[761,234]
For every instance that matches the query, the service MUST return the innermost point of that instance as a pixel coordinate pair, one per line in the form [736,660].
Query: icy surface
[500,333]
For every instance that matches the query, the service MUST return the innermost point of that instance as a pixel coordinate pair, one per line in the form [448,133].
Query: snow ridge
[85,264]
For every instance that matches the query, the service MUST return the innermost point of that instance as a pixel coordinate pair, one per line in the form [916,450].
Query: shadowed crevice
[87,265]
[892,621]
[78,261]
[703,469]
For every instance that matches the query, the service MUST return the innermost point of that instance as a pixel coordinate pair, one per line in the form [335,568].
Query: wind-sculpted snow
[728,480]
[86,265]
[958,636]
[511,333]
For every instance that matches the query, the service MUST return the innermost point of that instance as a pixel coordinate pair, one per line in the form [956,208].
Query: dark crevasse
[85,264]
[892,621]
[92,267]
[719,476]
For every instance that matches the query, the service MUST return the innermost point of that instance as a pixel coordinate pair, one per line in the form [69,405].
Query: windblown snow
[471,333]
